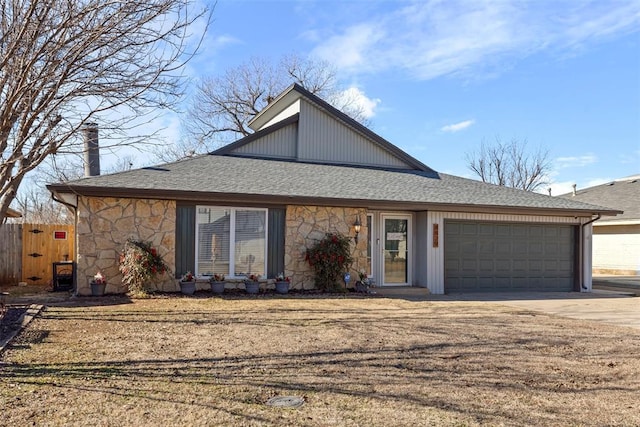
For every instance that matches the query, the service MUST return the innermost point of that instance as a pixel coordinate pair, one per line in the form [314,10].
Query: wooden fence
[10,253]
[28,251]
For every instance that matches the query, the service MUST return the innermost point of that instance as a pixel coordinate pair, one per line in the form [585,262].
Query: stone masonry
[306,224]
[103,227]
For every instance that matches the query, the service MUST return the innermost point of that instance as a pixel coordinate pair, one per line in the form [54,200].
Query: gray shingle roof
[217,177]
[622,194]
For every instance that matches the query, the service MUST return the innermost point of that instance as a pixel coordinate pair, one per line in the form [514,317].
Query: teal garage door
[508,257]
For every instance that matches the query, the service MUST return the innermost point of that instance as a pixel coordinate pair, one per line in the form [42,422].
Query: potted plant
[188,284]
[282,283]
[362,285]
[217,283]
[98,285]
[251,284]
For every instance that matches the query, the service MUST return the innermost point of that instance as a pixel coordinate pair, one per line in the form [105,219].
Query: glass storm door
[395,252]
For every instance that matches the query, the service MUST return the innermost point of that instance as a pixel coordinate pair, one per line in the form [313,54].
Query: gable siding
[278,144]
[287,112]
[325,139]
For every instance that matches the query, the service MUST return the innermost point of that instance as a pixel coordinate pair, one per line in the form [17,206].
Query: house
[254,206]
[616,241]
[12,213]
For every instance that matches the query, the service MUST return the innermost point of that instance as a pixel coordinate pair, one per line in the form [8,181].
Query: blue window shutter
[185,239]
[275,249]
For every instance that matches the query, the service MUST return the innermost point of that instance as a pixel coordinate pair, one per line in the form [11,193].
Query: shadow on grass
[450,362]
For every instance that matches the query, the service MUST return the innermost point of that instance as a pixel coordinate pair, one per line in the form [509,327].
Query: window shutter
[185,238]
[275,251]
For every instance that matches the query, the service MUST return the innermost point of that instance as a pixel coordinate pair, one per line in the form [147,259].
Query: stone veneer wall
[103,227]
[306,224]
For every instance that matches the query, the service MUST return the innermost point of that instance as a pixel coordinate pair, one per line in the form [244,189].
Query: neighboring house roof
[622,194]
[12,213]
[305,151]
[246,180]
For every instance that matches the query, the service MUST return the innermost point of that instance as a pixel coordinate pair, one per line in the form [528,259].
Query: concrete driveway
[610,307]
[617,308]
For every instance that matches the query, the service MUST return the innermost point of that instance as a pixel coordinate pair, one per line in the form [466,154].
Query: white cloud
[575,161]
[351,49]
[223,41]
[353,99]
[456,127]
[432,39]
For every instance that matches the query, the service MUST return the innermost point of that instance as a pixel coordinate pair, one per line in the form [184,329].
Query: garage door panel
[536,249]
[485,265]
[486,256]
[486,246]
[520,266]
[469,229]
[503,247]
[503,266]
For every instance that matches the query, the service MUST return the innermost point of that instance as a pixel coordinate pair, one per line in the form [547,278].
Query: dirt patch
[354,361]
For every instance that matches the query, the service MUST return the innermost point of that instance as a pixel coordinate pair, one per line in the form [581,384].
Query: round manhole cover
[286,401]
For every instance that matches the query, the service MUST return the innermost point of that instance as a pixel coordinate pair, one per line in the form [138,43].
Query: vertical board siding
[280,143]
[185,239]
[435,258]
[11,250]
[276,235]
[423,240]
[40,250]
[324,139]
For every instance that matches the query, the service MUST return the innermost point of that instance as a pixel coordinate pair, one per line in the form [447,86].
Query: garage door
[508,257]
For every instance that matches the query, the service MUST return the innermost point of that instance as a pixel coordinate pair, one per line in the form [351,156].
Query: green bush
[330,258]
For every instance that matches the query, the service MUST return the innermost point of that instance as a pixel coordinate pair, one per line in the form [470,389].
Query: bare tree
[223,105]
[510,164]
[34,201]
[64,63]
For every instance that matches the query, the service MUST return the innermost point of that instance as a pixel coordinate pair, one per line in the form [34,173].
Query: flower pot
[282,287]
[97,289]
[217,287]
[362,287]
[188,288]
[252,287]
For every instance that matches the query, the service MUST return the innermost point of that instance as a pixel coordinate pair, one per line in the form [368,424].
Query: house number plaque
[435,235]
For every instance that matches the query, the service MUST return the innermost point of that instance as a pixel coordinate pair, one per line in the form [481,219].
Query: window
[231,241]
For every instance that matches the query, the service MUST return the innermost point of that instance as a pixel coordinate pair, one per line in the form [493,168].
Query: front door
[395,251]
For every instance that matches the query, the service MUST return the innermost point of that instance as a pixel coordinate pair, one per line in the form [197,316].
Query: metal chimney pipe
[574,189]
[91,149]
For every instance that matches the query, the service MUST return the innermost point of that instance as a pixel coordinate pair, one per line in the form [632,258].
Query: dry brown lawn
[356,361]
